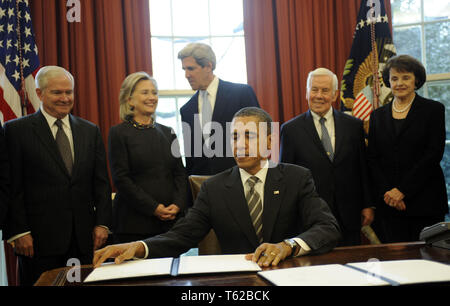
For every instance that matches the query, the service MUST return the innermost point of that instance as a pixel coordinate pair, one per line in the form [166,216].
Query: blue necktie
[326,141]
[206,111]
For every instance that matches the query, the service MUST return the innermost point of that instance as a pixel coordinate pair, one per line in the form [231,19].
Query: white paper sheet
[216,264]
[321,275]
[134,268]
[408,271]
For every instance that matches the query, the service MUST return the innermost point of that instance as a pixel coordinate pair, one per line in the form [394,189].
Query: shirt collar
[51,120]
[261,174]
[213,86]
[328,115]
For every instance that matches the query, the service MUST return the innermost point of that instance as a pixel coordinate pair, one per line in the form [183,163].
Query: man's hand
[269,253]
[120,252]
[24,246]
[100,235]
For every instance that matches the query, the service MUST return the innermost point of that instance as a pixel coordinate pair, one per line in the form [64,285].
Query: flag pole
[375,64]
[23,92]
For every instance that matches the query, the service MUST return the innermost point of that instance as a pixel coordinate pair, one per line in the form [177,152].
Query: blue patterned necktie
[255,207]
[206,111]
[326,141]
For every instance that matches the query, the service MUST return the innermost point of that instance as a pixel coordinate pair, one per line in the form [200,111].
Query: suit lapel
[339,132]
[44,134]
[412,114]
[390,129]
[79,145]
[312,131]
[238,206]
[273,194]
[220,108]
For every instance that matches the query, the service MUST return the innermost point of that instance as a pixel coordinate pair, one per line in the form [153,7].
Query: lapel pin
[276,192]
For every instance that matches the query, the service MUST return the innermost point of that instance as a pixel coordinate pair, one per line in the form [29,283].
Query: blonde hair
[126,91]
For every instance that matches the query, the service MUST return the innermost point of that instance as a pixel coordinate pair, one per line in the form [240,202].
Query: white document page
[321,275]
[133,268]
[408,271]
[216,264]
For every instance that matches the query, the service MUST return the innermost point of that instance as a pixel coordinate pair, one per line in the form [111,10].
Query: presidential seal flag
[362,88]
[19,61]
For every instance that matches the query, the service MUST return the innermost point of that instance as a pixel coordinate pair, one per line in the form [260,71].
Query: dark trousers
[404,228]
[30,269]
[350,238]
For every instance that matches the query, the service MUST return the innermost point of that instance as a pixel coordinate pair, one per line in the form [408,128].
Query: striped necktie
[255,207]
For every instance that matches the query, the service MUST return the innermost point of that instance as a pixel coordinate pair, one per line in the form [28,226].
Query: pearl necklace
[403,109]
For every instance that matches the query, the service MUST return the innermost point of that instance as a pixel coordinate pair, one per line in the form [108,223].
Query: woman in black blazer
[406,145]
[145,164]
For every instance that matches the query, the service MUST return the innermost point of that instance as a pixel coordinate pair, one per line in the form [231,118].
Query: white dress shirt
[212,94]
[54,128]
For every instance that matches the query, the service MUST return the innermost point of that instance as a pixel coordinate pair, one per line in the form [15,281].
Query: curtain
[286,39]
[111,41]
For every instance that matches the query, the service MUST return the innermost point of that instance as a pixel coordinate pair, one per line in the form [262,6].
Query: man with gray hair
[215,101]
[331,144]
[60,204]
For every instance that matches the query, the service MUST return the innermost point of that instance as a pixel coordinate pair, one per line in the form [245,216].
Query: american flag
[362,88]
[19,61]
[362,108]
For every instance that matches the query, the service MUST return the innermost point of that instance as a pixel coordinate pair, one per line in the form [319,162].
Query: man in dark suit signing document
[269,212]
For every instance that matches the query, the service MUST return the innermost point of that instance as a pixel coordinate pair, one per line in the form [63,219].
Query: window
[421,29]
[174,24]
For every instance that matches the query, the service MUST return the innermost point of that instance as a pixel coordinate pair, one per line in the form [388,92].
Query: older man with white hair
[60,204]
[331,144]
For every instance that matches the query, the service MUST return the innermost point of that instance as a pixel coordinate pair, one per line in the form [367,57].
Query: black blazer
[292,208]
[145,173]
[4,179]
[342,183]
[410,160]
[46,200]
[230,98]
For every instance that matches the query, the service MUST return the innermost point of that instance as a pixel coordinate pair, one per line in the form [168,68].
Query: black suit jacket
[4,179]
[230,98]
[45,199]
[292,208]
[410,160]
[343,182]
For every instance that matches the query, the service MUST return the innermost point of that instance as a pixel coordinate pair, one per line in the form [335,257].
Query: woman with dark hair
[406,145]
[145,164]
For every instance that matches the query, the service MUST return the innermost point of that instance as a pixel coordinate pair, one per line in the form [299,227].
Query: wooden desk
[342,255]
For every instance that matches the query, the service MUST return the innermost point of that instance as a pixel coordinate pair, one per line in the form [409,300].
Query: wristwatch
[293,245]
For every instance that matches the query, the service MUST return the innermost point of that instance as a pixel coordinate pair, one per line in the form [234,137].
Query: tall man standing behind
[331,144]
[61,197]
[215,101]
